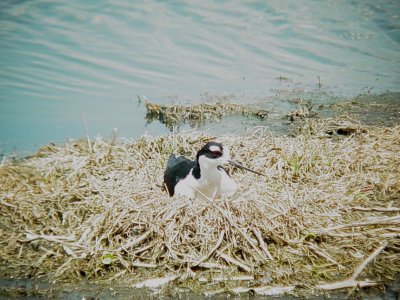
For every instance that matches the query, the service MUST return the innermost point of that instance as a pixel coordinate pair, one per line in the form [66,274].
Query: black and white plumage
[204,176]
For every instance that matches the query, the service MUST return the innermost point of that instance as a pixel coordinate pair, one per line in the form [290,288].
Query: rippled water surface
[65,61]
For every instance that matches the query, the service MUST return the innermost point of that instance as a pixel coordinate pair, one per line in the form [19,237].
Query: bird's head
[213,155]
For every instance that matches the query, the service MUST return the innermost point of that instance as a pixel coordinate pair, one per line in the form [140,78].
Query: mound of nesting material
[326,216]
[198,113]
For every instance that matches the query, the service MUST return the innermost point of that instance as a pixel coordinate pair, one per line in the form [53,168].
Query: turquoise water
[65,61]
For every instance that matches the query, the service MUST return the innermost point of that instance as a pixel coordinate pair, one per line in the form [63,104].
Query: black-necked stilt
[204,176]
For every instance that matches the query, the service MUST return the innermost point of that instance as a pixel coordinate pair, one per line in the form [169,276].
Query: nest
[325,217]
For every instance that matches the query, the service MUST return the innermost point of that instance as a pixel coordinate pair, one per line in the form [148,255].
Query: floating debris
[196,114]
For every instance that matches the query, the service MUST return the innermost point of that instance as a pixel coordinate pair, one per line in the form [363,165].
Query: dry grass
[326,216]
[198,113]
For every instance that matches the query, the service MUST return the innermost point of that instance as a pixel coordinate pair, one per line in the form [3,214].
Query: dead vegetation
[196,114]
[325,217]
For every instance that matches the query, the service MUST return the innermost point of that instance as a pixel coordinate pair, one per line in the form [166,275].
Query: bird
[204,176]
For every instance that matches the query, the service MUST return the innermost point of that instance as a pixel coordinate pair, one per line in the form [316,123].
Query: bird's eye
[216,154]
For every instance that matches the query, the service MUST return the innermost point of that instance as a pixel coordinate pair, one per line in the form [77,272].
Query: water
[62,62]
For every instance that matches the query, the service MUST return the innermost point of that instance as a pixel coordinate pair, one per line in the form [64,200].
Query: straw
[325,216]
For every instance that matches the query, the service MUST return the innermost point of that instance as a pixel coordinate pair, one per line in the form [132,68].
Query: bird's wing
[177,169]
[173,160]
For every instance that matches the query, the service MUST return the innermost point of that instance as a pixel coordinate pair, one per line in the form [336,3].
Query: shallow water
[63,62]
[40,289]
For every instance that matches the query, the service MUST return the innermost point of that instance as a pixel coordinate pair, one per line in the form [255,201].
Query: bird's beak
[243,167]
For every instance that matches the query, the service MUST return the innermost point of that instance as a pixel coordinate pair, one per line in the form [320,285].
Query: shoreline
[370,109]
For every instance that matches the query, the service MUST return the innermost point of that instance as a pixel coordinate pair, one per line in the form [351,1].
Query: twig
[147,247]
[381,209]
[367,261]
[390,235]
[233,278]
[220,239]
[229,259]
[3,161]
[208,265]
[384,221]
[240,231]
[136,241]
[347,284]
[7,204]
[363,233]
[119,274]
[50,238]
[319,252]
[261,243]
[352,281]
[63,267]
[139,264]
[87,133]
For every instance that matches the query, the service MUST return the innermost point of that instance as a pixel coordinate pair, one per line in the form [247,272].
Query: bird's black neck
[196,170]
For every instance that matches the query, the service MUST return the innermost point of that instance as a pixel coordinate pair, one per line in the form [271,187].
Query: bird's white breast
[212,183]
[187,186]
[228,185]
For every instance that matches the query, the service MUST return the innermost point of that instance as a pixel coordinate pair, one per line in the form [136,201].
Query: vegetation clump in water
[171,115]
[326,216]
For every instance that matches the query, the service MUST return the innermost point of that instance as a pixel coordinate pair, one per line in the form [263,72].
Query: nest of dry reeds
[326,216]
